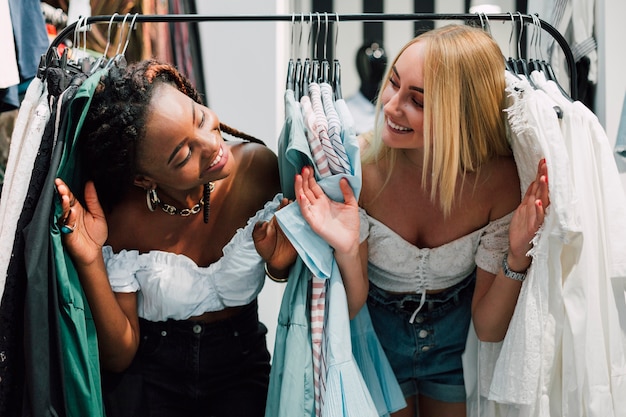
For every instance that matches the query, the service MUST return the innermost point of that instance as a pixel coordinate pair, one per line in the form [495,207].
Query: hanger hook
[130,28]
[84,29]
[309,36]
[325,34]
[538,44]
[119,42]
[293,29]
[106,49]
[512,30]
[317,35]
[519,37]
[480,17]
[487,25]
[336,29]
[76,38]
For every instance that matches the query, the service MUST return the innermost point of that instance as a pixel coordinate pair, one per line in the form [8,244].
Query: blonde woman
[447,231]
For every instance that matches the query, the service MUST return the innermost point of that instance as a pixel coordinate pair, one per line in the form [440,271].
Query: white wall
[610,15]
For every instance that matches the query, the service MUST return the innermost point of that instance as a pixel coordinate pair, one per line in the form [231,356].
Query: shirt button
[419,319]
[422,333]
[163,333]
[197,328]
[425,348]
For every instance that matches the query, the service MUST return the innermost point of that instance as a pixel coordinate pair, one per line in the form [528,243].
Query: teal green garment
[78,333]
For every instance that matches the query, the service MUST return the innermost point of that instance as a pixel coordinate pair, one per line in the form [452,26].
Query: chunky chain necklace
[204,202]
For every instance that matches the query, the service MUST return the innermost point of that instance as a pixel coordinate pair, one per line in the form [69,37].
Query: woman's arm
[115,315]
[495,296]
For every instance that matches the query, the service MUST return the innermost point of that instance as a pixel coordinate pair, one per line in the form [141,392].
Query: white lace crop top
[172,286]
[398,266]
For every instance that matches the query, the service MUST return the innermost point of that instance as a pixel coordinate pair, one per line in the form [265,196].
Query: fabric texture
[291,389]
[398,266]
[172,286]
[572,301]
[81,363]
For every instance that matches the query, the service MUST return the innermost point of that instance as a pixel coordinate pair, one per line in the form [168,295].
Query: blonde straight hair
[464,97]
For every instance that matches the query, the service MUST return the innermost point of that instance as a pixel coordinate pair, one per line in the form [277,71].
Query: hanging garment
[334,126]
[575,365]
[9,72]
[316,149]
[30,42]
[44,379]
[12,346]
[345,388]
[291,388]
[321,129]
[81,367]
[25,141]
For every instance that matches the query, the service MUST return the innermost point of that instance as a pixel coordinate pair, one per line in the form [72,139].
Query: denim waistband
[430,304]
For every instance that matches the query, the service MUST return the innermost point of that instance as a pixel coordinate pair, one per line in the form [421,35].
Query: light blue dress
[291,390]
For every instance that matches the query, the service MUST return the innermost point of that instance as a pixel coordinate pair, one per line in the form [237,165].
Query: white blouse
[398,266]
[172,286]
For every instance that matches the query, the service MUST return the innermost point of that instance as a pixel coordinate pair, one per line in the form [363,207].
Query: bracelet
[517,276]
[272,277]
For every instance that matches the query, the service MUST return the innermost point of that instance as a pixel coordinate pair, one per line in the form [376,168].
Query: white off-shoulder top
[172,286]
[398,266]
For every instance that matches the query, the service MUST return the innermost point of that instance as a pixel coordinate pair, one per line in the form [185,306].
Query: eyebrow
[418,89]
[182,143]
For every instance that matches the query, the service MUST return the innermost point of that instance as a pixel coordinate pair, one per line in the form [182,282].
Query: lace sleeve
[494,242]
[364,226]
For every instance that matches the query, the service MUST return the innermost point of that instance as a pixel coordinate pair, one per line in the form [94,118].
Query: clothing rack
[333,17]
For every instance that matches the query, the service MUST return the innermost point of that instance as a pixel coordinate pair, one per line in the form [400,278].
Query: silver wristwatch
[517,276]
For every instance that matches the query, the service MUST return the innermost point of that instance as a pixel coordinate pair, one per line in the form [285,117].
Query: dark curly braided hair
[116,123]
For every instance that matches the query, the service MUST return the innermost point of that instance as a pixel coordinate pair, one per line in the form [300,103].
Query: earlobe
[144,182]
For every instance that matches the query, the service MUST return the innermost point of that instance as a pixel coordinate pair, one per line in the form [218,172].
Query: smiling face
[403,100]
[183,146]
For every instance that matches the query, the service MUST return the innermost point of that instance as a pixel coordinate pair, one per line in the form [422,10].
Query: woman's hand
[272,244]
[337,223]
[89,225]
[528,218]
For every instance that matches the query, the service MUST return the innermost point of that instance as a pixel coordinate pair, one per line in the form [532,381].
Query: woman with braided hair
[162,243]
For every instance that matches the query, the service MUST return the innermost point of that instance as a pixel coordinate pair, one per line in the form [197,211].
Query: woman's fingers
[348,193]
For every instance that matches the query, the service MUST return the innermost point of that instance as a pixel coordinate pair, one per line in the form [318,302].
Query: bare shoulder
[256,154]
[502,186]
[257,169]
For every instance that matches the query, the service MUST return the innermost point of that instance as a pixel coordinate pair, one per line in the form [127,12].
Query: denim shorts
[190,368]
[426,354]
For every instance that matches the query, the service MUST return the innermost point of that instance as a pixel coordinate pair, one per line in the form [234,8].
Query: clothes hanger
[546,67]
[290,83]
[325,65]
[535,63]
[315,63]
[102,60]
[304,66]
[522,63]
[119,59]
[484,24]
[510,63]
[336,79]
